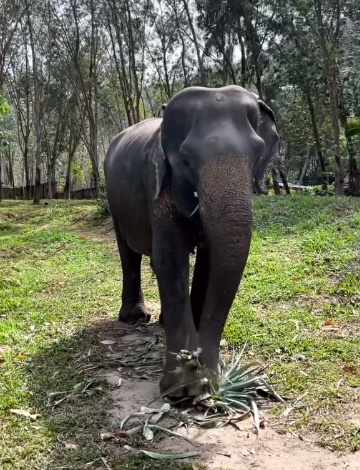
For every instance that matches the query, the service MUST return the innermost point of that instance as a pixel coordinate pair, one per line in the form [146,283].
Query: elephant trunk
[225,204]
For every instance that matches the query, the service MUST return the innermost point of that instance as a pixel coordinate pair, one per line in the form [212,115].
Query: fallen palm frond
[236,389]
[150,426]
[157,456]
[229,396]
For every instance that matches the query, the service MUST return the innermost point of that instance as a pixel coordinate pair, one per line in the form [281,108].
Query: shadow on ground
[77,406]
[68,390]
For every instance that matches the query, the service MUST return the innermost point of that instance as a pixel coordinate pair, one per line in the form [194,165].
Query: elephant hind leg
[199,284]
[132,309]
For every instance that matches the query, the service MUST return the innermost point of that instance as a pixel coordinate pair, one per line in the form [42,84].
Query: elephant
[181,182]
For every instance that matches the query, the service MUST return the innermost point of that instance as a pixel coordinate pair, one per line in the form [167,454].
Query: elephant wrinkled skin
[184,181]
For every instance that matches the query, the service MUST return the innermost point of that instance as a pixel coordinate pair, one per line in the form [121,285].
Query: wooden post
[275,182]
[284,181]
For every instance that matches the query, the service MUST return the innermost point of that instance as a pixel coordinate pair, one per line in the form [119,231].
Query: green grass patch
[298,308]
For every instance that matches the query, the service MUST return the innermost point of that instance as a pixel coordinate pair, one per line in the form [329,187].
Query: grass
[298,307]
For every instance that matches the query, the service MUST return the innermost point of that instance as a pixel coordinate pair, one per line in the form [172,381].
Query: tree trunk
[50,178]
[27,172]
[303,171]
[353,172]
[243,58]
[120,66]
[315,129]
[119,73]
[196,44]
[332,87]
[11,171]
[37,105]
[284,181]
[1,186]
[132,60]
[67,186]
[255,51]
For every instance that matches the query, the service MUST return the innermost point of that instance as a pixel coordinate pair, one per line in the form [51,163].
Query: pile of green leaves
[237,389]
[229,396]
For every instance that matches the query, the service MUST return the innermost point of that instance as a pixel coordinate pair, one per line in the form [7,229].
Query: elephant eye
[185,157]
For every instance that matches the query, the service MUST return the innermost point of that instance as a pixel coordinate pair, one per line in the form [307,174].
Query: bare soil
[221,448]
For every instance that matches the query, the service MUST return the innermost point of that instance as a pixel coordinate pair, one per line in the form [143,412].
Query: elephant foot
[186,382]
[161,319]
[134,314]
[180,386]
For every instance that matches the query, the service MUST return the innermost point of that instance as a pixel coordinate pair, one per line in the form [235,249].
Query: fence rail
[28,193]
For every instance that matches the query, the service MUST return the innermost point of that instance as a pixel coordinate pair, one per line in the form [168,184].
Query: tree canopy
[76,72]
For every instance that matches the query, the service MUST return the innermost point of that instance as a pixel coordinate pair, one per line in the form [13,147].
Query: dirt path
[223,448]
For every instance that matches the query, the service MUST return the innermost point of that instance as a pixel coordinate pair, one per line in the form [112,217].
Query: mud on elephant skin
[179,182]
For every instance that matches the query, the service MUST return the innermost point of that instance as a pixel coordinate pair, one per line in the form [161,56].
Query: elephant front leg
[199,283]
[171,264]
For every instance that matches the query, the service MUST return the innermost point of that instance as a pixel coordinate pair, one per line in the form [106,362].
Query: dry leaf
[106,436]
[22,356]
[307,272]
[70,446]
[287,412]
[350,369]
[120,433]
[328,323]
[25,413]
[82,237]
[4,347]
[295,278]
[314,261]
[107,342]
[2,360]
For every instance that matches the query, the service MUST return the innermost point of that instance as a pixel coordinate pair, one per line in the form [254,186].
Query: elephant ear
[267,130]
[154,151]
[173,175]
[266,110]
[161,112]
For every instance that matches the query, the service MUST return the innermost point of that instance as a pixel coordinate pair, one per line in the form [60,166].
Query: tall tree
[36,102]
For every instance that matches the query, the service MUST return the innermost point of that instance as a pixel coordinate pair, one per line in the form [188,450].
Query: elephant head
[198,128]
[205,154]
